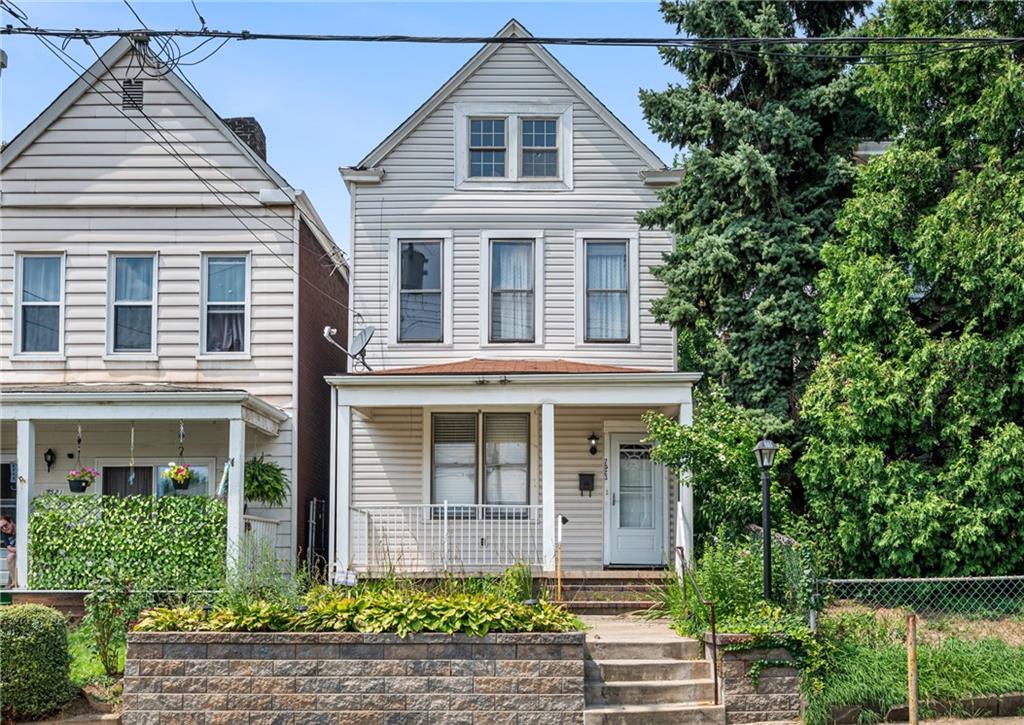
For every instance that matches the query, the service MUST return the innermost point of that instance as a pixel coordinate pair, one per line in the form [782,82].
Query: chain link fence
[986,597]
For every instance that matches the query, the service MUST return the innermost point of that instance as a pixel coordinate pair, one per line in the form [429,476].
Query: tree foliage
[915,463]
[767,142]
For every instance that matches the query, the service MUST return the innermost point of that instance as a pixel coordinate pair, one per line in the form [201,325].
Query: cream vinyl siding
[418,195]
[92,184]
[388,469]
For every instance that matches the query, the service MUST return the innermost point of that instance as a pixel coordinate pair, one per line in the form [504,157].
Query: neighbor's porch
[129,433]
[469,474]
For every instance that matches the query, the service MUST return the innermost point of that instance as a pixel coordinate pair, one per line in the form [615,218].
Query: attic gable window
[512,146]
[131,94]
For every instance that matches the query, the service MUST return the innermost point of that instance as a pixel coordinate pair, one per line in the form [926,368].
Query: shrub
[170,542]
[34,643]
[108,610]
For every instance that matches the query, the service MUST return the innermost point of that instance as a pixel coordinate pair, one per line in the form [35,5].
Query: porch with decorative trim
[386,514]
[106,406]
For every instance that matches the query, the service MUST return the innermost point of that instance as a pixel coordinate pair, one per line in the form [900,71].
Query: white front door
[636,502]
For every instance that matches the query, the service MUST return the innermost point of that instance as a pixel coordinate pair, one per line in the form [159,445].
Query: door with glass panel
[636,503]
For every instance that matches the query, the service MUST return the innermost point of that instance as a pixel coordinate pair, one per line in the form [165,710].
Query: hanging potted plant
[179,475]
[79,479]
[265,482]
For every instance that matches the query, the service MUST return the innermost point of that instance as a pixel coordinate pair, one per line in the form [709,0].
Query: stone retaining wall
[305,678]
[777,696]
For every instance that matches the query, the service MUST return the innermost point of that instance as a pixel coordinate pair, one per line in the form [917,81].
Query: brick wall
[306,678]
[775,698]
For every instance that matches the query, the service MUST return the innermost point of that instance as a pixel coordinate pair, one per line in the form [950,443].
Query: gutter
[564,379]
[216,396]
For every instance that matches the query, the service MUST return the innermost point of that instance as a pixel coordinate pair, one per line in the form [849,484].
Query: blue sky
[325,105]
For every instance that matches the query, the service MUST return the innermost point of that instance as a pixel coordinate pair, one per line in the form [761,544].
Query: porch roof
[513,382]
[137,401]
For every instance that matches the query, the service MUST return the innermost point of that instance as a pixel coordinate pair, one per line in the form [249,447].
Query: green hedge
[34,643]
[171,542]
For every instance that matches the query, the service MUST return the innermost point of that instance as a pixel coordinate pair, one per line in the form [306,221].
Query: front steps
[641,673]
[607,592]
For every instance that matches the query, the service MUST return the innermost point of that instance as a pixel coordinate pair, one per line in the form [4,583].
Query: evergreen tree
[915,464]
[767,134]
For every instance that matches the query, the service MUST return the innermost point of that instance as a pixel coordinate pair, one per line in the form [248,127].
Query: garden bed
[368,676]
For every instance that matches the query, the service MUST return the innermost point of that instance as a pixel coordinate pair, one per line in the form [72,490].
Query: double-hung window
[480,458]
[226,303]
[132,302]
[539,148]
[488,147]
[420,291]
[40,303]
[606,277]
[512,290]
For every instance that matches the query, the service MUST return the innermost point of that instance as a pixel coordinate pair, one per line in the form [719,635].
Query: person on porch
[7,530]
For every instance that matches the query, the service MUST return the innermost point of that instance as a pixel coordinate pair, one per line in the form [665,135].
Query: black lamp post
[764,452]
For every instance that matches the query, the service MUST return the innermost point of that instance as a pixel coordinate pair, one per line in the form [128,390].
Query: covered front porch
[128,433]
[474,471]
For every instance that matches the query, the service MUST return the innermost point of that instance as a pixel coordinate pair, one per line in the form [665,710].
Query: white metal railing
[262,530]
[445,537]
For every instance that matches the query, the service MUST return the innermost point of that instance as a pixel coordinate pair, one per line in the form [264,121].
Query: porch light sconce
[592,440]
[49,458]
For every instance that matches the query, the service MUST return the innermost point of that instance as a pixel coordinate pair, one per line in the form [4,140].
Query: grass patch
[874,674]
[86,668]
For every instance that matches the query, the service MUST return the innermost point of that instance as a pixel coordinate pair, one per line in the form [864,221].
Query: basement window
[131,95]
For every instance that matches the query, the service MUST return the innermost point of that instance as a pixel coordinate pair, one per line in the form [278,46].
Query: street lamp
[764,452]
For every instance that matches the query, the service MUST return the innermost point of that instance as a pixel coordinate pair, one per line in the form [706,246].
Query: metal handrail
[687,574]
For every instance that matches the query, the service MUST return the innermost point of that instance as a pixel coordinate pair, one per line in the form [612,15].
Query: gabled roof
[512,29]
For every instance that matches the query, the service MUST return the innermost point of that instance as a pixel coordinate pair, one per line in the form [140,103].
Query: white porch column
[236,488]
[684,505]
[26,434]
[343,488]
[547,427]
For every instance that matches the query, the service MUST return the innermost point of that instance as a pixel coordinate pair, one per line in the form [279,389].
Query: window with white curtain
[607,291]
[512,290]
[132,305]
[226,304]
[420,291]
[40,302]
[480,458]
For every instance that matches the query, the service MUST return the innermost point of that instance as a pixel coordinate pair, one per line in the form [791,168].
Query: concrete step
[608,593]
[641,692]
[652,670]
[643,648]
[606,607]
[672,714]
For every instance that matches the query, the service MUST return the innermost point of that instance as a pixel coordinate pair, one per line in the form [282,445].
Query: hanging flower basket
[79,479]
[179,475]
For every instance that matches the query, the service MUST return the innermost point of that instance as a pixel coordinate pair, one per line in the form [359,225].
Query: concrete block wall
[214,678]
[776,697]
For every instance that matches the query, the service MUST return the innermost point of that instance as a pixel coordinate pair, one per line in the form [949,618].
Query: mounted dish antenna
[359,342]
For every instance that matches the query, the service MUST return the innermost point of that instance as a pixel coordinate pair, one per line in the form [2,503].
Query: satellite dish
[359,342]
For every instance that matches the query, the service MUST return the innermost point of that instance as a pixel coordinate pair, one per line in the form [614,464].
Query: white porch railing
[262,531]
[445,537]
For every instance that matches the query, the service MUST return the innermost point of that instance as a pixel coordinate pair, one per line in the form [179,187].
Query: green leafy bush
[265,482]
[171,542]
[395,610]
[108,610]
[34,643]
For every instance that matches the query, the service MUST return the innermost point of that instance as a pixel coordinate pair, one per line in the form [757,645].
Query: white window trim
[486,238]
[447,283]
[111,353]
[16,352]
[478,411]
[632,238]
[245,354]
[513,112]
[153,462]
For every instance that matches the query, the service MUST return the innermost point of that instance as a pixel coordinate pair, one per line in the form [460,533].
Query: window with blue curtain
[607,291]
[133,304]
[40,303]
[512,290]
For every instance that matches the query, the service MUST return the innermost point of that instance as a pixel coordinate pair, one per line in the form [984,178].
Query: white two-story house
[163,293]
[495,251]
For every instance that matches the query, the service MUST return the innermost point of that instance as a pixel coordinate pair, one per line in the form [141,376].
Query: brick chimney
[250,131]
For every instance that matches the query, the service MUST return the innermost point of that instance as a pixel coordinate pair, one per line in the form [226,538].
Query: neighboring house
[495,251]
[143,300]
